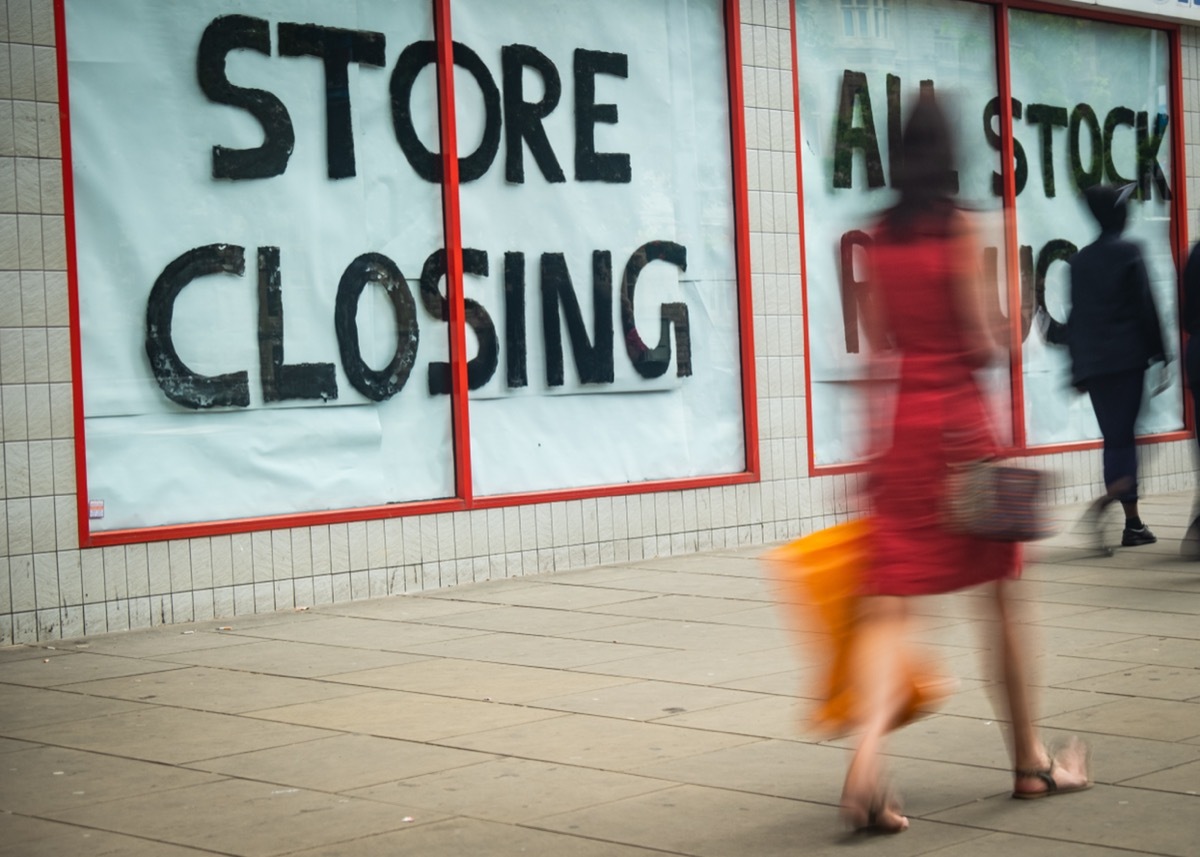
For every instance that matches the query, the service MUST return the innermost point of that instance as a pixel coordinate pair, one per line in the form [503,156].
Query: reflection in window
[865,19]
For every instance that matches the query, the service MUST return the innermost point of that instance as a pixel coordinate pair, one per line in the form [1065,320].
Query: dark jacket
[1191,316]
[1113,325]
[1191,292]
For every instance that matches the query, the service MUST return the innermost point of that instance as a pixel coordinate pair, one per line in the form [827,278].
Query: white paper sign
[260,263]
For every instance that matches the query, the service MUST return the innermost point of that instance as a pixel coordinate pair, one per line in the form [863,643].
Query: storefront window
[1090,105]
[249,242]
[603,240]
[264,224]
[852,106]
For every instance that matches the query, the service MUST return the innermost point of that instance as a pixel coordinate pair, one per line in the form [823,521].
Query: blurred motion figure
[925,314]
[1113,335]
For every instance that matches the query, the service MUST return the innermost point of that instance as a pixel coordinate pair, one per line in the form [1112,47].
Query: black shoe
[1092,525]
[1132,538]
[1189,548]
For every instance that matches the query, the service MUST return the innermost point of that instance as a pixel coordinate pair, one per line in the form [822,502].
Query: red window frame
[464,499]
[1178,231]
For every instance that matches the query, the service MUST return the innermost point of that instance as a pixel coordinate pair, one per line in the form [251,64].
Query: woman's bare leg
[1028,751]
[877,666]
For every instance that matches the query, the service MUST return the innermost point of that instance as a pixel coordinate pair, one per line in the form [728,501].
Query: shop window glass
[621,165]
[1091,104]
[249,251]
[852,106]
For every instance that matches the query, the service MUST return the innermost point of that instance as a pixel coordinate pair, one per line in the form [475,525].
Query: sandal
[869,818]
[1046,775]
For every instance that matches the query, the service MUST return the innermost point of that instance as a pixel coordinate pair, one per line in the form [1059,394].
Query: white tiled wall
[50,588]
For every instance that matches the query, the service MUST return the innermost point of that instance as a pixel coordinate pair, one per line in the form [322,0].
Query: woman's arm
[985,336]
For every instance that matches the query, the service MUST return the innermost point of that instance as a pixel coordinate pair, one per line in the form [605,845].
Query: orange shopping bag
[819,577]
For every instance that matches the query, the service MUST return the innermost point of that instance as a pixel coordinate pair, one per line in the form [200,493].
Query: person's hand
[1042,319]
[1162,378]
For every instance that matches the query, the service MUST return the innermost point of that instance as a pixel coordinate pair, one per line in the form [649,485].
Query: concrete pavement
[639,709]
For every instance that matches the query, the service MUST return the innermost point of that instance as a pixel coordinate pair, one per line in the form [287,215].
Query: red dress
[940,417]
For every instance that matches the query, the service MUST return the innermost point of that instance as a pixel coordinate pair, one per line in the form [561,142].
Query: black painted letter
[482,366]
[593,361]
[280,380]
[427,164]
[1049,118]
[847,138]
[652,362]
[590,165]
[1082,115]
[180,383]
[990,112]
[523,118]
[376,268]
[337,48]
[223,35]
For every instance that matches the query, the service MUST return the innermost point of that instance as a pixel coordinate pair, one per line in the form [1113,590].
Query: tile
[411,716]
[963,740]
[515,791]
[287,658]
[219,690]
[23,708]
[786,769]
[986,701]
[529,650]
[1156,682]
[1054,670]
[47,779]
[36,837]
[695,636]
[763,716]
[456,837]
[710,822]
[520,619]
[479,680]
[1155,622]
[1184,779]
[700,667]
[529,593]
[241,817]
[343,762]
[8,745]
[56,668]
[1007,844]
[646,700]
[352,632]
[594,742]
[688,583]
[1157,719]
[169,735]
[1110,816]
[684,607]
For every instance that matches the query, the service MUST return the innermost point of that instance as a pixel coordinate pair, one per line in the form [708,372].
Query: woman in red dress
[926,314]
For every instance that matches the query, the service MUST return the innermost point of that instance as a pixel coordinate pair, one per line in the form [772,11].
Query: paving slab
[456,837]
[648,707]
[257,819]
[512,790]
[22,836]
[483,681]
[362,761]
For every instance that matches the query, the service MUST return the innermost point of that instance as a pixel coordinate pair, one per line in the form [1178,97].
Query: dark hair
[1108,205]
[924,173]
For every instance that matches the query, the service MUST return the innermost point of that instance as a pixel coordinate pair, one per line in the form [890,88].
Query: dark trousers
[1192,369]
[1116,399]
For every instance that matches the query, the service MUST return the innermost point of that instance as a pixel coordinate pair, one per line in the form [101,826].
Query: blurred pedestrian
[926,310]
[1191,324]
[1113,336]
